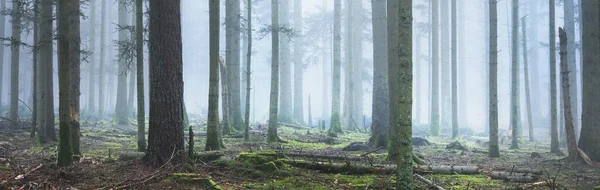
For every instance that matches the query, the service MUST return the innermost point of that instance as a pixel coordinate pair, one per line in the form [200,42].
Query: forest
[300,94]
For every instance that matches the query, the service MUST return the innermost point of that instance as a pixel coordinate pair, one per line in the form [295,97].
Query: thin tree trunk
[14,59]
[225,101]
[298,63]
[435,72]
[309,112]
[564,70]
[248,70]
[514,97]
[494,149]
[34,115]
[274,96]
[165,143]
[336,122]
[380,105]
[2,29]
[102,74]
[92,66]
[121,106]
[400,86]
[349,68]
[326,80]
[569,26]
[554,145]
[445,80]
[357,47]
[212,140]
[285,75]
[454,73]
[139,40]
[527,80]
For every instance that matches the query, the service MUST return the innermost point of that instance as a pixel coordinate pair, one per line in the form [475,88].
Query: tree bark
[298,63]
[454,73]
[564,72]
[435,72]
[400,86]
[569,25]
[165,142]
[285,75]
[212,129]
[121,107]
[514,79]
[2,29]
[248,70]
[92,64]
[527,80]
[74,38]
[225,101]
[445,80]
[494,149]
[14,60]
[348,111]
[274,96]
[554,145]
[139,41]
[336,122]
[102,74]
[35,81]
[590,129]
[380,109]
[233,61]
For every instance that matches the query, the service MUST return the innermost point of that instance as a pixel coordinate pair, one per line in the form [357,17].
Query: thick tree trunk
[74,37]
[248,70]
[348,110]
[454,73]
[569,25]
[514,79]
[527,80]
[212,129]
[554,145]
[46,130]
[357,40]
[102,74]
[274,96]
[165,141]
[494,149]
[285,75]
[380,109]
[14,60]
[298,64]
[336,121]
[121,106]
[564,72]
[233,62]
[139,41]
[435,72]
[445,80]
[590,129]
[400,89]
[92,64]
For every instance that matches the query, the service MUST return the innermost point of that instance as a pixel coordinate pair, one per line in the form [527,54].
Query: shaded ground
[25,164]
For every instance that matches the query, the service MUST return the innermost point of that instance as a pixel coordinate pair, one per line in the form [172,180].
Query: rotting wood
[428,182]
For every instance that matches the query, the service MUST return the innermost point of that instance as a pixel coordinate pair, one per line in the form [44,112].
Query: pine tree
[274,96]
[212,139]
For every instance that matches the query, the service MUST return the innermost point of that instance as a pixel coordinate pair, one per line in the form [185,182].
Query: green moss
[257,158]
[287,183]
[268,167]
[336,125]
[597,187]
[205,183]
[465,181]
[4,168]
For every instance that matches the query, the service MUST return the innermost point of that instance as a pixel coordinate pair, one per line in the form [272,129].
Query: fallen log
[513,177]
[523,170]
[466,170]
[291,125]
[127,156]
[208,156]
[337,168]
[428,182]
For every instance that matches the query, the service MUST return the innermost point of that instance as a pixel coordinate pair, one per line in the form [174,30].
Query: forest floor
[308,160]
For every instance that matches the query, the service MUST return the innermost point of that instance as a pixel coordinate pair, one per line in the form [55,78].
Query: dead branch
[585,157]
[428,182]
[22,176]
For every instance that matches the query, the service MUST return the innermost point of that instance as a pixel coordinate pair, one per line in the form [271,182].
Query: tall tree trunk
[454,72]
[2,29]
[233,61]
[243,100]
[46,130]
[554,146]
[74,37]
[309,112]
[34,115]
[248,69]
[14,60]
[494,149]
[435,72]
[514,79]
[445,80]
[400,89]
[68,45]
[212,131]
[285,84]
[564,70]
[590,129]
[349,68]
[357,35]
[336,121]
[274,96]
[139,41]
[92,66]
[526,79]
[102,74]
[166,96]
[569,24]
[534,62]
[225,101]
[121,106]
[298,65]
[380,109]
[326,80]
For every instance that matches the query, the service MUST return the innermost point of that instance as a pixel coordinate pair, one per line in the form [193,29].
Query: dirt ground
[26,164]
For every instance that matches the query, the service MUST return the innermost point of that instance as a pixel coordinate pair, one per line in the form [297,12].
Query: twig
[428,182]
[26,105]
[22,176]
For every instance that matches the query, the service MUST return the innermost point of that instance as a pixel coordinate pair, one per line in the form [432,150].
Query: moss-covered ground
[258,165]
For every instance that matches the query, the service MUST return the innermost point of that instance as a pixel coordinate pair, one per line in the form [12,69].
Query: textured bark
[564,72]
[435,72]
[74,38]
[121,109]
[380,109]
[569,25]
[554,146]
[527,80]
[454,72]
[2,29]
[274,96]
[590,129]
[336,122]
[165,142]
[494,149]
[67,24]
[514,78]
[285,75]
[400,89]
[139,41]
[92,64]
[212,129]
[46,130]
[248,70]
[298,65]
[102,63]
[14,60]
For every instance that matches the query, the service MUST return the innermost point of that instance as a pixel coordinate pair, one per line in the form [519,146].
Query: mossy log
[523,170]
[203,182]
[513,177]
[465,170]
[337,168]
[127,156]
[208,156]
